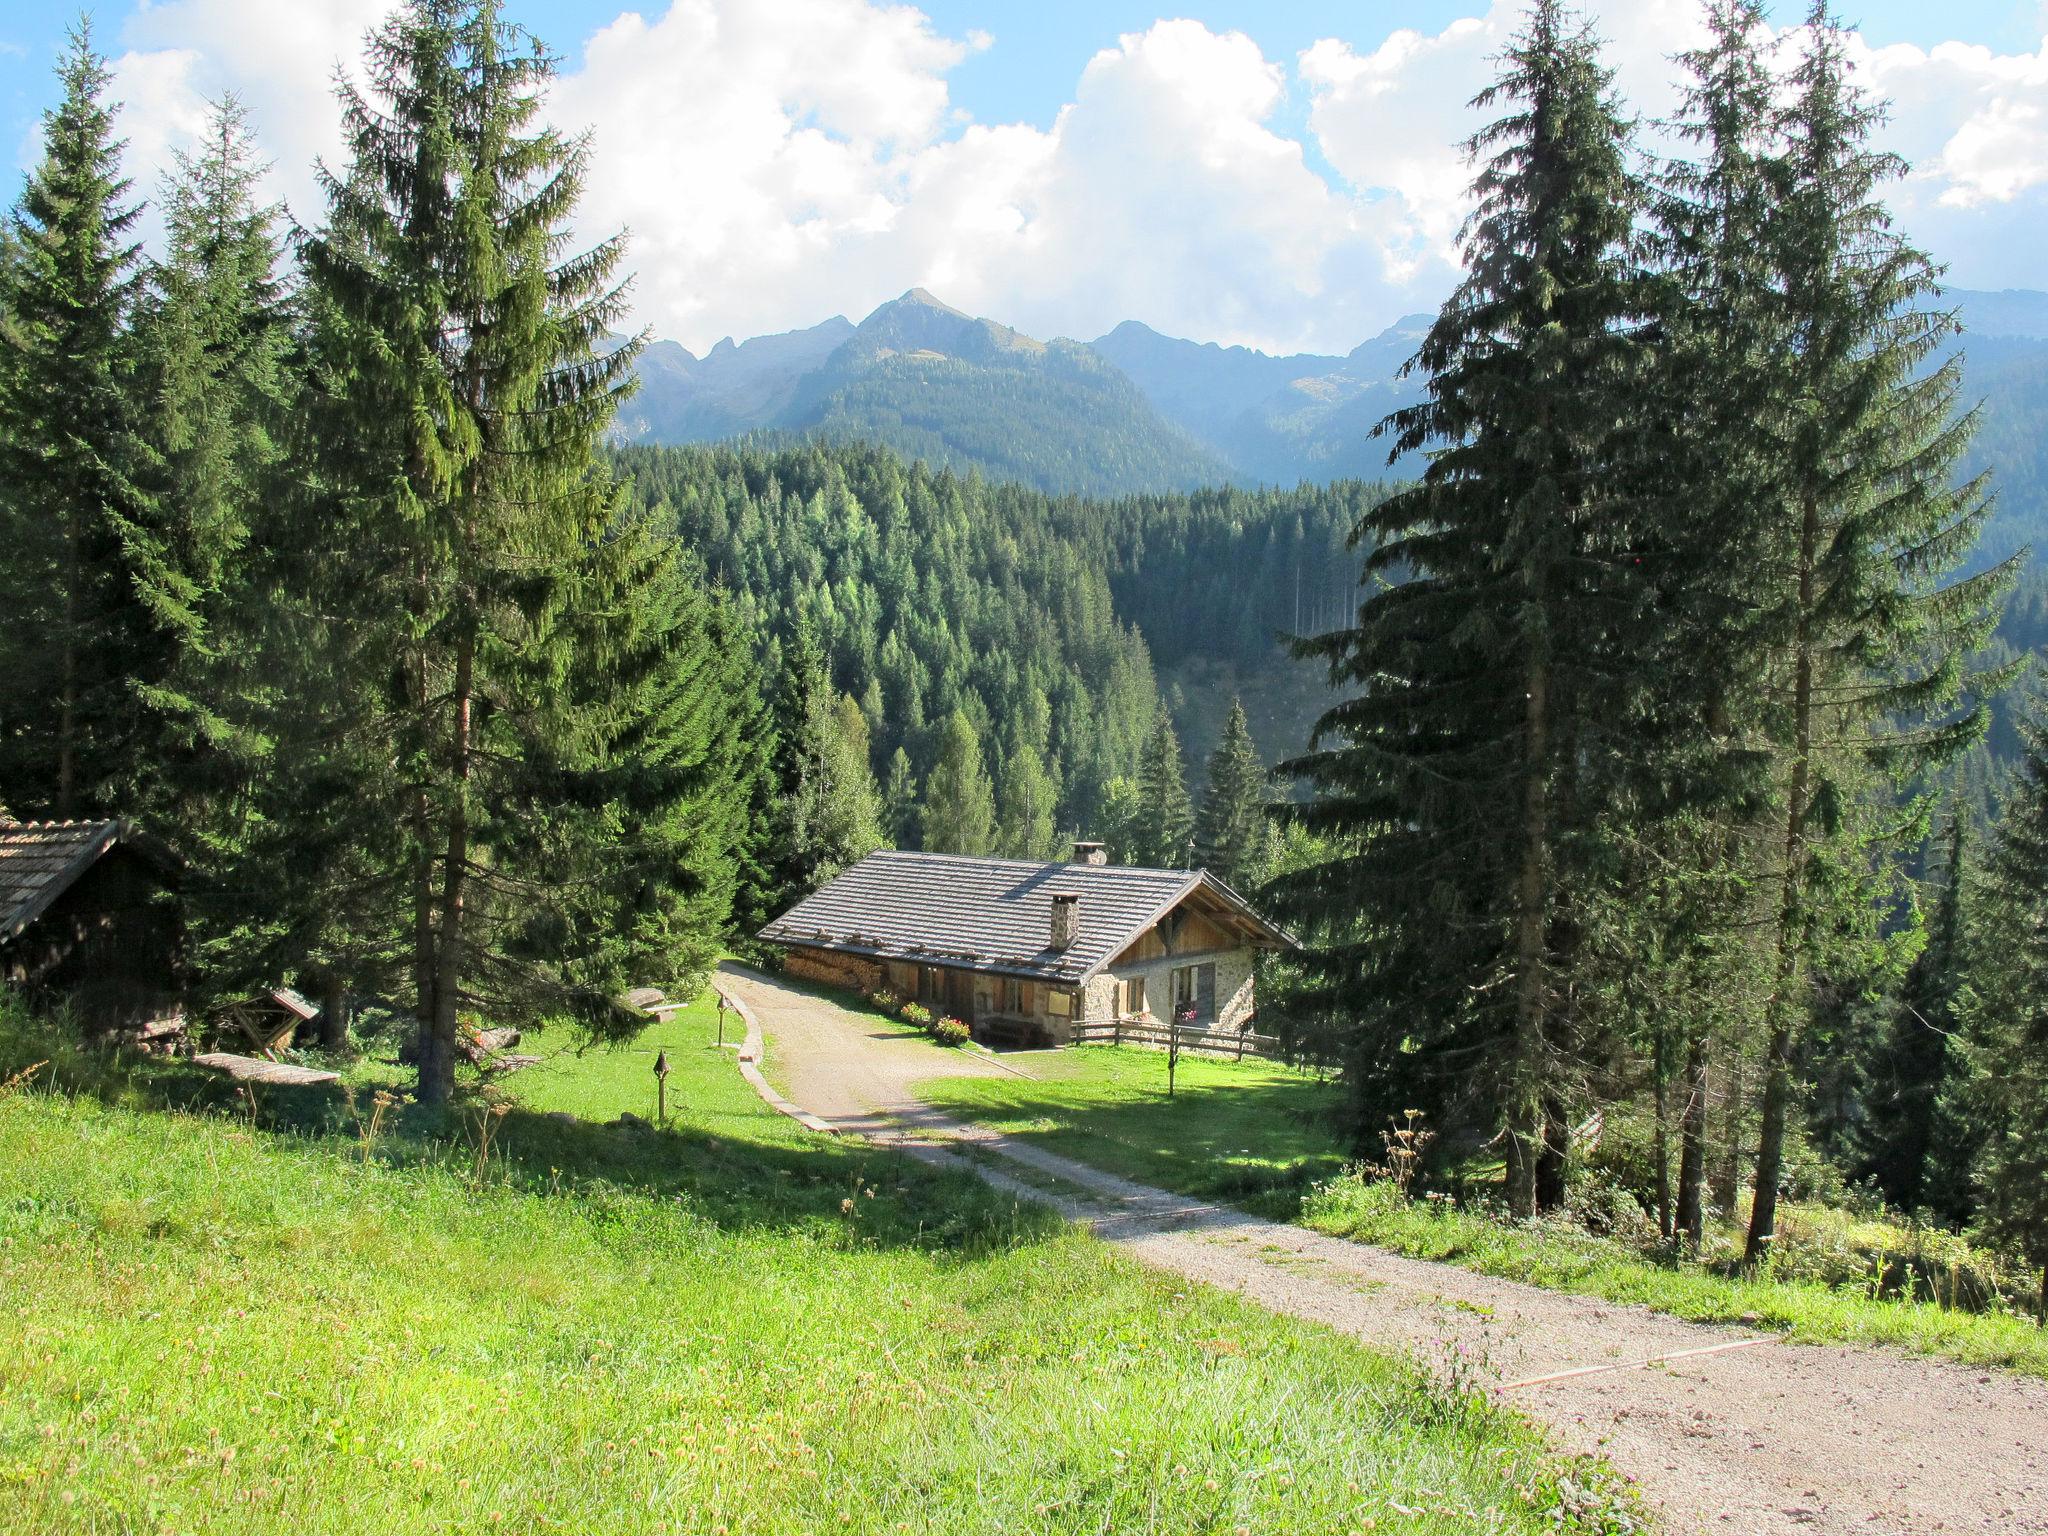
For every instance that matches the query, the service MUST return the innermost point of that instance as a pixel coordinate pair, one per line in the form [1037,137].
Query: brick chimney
[1090,853]
[1066,921]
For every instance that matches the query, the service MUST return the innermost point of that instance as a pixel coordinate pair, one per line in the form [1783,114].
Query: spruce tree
[1233,836]
[1118,821]
[1165,818]
[1025,808]
[1704,751]
[899,801]
[1467,785]
[485,642]
[2005,1012]
[218,369]
[959,806]
[827,812]
[1872,642]
[91,600]
[1907,1080]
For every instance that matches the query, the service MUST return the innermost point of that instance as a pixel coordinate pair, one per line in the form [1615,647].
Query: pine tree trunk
[1525,1106]
[333,1012]
[435,1058]
[454,878]
[1770,1155]
[67,695]
[1728,1174]
[1661,1073]
[1691,1222]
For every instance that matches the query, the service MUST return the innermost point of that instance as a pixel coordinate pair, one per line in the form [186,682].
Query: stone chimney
[1090,853]
[1066,921]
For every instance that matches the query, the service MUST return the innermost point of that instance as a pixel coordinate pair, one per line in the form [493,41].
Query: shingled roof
[996,914]
[40,859]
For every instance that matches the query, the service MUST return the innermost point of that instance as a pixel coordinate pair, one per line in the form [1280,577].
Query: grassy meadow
[298,1313]
[1258,1134]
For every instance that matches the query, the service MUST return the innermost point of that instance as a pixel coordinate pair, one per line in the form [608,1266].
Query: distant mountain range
[1137,411]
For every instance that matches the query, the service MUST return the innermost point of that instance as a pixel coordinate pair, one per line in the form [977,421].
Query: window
[1133,1005]
[1016,995]
[1194,988]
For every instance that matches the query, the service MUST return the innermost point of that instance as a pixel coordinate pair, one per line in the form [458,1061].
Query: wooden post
[661,1087]
[721,1021]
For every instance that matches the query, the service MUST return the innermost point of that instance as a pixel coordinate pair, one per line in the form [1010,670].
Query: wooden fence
[1225,1042]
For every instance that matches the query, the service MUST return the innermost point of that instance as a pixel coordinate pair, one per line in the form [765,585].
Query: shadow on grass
[778,1181]
[1211,1142]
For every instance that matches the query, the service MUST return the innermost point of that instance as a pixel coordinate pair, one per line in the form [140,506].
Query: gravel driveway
[1763,1437]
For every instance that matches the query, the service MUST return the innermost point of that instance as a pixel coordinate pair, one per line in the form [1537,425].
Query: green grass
[1253,1132]
[1257,1134]
[1564,1257]
[244,1318]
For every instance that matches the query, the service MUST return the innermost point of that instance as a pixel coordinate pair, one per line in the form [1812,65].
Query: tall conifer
[1463,785]
[2005,1014]
[959,804]
[483,584]
[91,601]
[1165,817]
[219,378]
[1871,641]
[1233,837]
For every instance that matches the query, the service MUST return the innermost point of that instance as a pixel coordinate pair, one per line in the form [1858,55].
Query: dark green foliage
[2006,1015]
[926,595]
[1026,806]
[1161,830]
[220,381]
[1233,835]
[1466,783]
[827,812]
[523,685]
[1870,648]
[93,602]
[959,806]
[1906,1089]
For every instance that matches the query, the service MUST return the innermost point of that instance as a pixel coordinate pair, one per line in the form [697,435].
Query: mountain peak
[930,300]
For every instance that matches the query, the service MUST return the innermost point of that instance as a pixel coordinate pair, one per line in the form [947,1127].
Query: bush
[950,1032]
[882,1000]
[917,1014]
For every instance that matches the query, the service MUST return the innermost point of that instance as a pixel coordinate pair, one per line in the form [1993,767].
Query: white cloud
[778,161]
[279,58]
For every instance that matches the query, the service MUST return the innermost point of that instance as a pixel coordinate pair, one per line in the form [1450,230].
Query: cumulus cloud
[1973,123]
[778,161]
[179,55]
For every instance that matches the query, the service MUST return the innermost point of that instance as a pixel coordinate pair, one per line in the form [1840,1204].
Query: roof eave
[88,854]
[924,957]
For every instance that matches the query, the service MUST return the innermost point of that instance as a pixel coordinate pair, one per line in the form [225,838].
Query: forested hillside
[1053,622]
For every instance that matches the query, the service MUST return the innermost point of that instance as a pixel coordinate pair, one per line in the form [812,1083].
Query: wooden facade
[1027,953]
[89,922]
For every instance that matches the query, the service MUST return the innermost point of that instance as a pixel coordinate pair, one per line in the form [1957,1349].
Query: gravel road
[1763,1437]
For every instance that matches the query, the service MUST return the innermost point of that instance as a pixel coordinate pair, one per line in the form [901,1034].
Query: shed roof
[39,861]
[996,914]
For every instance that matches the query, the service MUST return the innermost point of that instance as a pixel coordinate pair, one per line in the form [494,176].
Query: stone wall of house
[1235,994]
[833,970]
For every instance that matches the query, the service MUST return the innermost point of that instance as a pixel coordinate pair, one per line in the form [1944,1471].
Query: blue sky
[1278,173]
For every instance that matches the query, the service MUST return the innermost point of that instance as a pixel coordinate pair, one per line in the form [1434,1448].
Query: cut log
[248,1069]
[509,1063]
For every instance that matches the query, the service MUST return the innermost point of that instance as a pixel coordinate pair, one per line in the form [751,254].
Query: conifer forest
[1652,763]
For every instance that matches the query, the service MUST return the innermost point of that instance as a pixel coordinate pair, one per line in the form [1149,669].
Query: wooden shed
[89,920]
